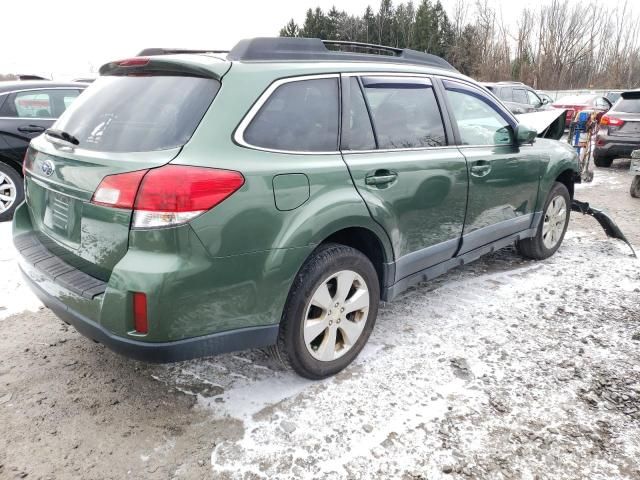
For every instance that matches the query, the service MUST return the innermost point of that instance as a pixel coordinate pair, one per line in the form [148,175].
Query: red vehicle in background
[576,103]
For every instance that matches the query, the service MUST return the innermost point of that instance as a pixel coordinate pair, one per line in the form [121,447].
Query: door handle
[381,178]
[481,169]
[31,129]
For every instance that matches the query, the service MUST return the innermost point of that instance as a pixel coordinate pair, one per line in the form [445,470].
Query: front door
[503,177]
[395,143]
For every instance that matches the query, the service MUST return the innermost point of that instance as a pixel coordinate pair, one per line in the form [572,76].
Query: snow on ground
[497,370]
[504,368]
[15,296]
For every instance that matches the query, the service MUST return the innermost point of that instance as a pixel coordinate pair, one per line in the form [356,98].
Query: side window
[405,113]
[299,116]
[602,102]
[38,103]
[506,94]
[534,100]
[35,104]
[520,95]
[479,123]
[357,133]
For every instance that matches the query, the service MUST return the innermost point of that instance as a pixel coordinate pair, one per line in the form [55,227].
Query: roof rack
[150,52]
[314,49]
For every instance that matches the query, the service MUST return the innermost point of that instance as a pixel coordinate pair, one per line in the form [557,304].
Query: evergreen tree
[291,29]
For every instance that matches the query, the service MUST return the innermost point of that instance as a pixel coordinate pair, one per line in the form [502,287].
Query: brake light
[140,322]
[133,62]
[118,191]
[606,120]
[168,195]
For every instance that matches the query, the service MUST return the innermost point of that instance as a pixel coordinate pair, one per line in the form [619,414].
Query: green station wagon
[193,203]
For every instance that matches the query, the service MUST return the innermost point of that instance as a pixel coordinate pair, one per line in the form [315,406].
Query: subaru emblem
[47,167]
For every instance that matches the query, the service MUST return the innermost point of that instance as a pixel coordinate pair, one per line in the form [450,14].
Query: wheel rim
[336,315]
[7,192]
[554,220]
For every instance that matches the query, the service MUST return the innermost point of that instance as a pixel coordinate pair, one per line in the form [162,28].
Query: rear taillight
[608,121]
[168,195]
[27,161]
[118,191]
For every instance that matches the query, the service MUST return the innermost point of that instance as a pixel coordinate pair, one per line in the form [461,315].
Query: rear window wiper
[62,135]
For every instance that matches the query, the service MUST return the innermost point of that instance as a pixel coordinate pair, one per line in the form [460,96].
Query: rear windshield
[628,105]
[138,114]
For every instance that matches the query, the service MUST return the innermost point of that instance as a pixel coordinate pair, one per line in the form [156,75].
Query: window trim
[7,94]
[238,135]
[444,114]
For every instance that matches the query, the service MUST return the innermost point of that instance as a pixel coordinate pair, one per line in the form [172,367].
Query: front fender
[560,158]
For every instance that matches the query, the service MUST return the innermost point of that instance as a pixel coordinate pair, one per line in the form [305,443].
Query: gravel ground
[503,369]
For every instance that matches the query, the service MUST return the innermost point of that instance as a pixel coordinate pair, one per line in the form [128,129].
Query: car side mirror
[545,101]
[525,135]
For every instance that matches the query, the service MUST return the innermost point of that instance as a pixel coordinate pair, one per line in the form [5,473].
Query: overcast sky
[69,38]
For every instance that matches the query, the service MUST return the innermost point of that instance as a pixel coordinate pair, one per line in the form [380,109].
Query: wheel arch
[372,246]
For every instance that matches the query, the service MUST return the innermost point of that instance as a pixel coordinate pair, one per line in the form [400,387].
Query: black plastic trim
[45,261]
[160,352]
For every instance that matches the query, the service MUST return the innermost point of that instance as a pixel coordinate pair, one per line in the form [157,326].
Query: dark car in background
[27,108]
[619,131]
[576,103]
[517,96]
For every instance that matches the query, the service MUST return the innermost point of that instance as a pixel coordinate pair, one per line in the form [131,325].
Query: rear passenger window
[300,116]
[357,133]
[405,113]
[38,103]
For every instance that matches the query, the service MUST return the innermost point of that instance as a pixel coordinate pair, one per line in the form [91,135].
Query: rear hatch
[135,118]
[623,120]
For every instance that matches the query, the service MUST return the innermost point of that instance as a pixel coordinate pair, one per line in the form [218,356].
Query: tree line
[560,44]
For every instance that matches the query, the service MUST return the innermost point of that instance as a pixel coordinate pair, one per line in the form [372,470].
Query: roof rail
[314,49]
[150,52]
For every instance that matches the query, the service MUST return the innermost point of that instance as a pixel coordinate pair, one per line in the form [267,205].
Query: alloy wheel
[7,192]
[336,315]
[554,220]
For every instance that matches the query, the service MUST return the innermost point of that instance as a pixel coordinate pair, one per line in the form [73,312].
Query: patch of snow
[15,296]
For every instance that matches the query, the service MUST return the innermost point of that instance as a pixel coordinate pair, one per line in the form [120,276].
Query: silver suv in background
[619,131]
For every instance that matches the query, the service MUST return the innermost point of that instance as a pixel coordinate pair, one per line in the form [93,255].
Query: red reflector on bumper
[140,312]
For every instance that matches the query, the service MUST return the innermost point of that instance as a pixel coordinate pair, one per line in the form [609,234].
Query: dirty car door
[394,142]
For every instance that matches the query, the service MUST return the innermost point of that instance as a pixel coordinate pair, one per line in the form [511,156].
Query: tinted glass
[628,105]
[38,103]
[533,99]
[357,131]
[520,95]
[405,114]
[479,123]
[299,116]
[137,114]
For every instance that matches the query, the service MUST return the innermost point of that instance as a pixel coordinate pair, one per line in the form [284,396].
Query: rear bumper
[612,146]
[159,352]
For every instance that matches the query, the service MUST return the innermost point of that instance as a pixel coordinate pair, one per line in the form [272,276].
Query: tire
[552,228]
[602,160]
[635,187]
[314,352]
[11,191]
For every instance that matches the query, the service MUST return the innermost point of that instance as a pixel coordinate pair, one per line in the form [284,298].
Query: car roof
[583,97]
[14,86]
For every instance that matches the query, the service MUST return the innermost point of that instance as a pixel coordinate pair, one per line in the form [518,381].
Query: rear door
[395,143]
[26,114]
[503,177]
